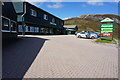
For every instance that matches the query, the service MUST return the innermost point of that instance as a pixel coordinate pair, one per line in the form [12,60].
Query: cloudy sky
[66,9]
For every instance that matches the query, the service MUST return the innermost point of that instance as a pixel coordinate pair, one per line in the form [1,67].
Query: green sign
[107,27]
[53,23]
[106,30]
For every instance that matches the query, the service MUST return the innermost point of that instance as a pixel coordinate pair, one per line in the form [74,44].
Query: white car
[87,34]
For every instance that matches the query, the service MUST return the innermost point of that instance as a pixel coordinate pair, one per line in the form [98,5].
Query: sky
[66,10]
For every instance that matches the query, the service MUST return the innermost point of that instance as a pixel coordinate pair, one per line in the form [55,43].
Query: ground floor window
[46,30]
[8,25]
[42,30]
[28,29]
[36,29]
[51,31]
[20,29]
[13,26]
[5,24]
[32,29]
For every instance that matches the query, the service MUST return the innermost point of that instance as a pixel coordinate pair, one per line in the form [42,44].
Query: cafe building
[9,21]
[33,20]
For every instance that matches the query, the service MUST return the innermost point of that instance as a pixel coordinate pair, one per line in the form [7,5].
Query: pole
[24,5]
[113,32]
[100,30]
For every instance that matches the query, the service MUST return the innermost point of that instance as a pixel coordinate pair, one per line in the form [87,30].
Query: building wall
[39,19]
[9,11]
[9,22]
[37,22]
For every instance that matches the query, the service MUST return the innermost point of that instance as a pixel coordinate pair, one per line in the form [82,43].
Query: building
[33,20]
[9,21]
[70,29]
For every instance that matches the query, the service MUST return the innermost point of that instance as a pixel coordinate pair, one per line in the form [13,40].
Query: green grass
[92,25]
[106,40]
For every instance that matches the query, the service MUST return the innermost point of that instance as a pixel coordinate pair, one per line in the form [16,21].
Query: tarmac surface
[71,57]
[59,56]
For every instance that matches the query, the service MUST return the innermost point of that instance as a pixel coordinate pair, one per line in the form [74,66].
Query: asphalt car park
[59,56]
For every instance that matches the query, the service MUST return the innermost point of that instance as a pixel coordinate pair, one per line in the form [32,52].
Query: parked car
[88,34]
[76,32]
[97,34]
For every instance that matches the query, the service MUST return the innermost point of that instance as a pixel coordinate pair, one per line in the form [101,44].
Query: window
[45,17]
[82,32]
[32,29]
[33,12]
[5,24]
[61,23]
[8,25]
[13,26]
[26,29]
[20,29]
[36,29]
[19,18]
[53,19]
[42,30]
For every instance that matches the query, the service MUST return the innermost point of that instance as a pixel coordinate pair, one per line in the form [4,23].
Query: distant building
[70,29]
[36,20]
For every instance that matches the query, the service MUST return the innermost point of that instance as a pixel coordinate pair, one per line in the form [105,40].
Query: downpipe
[23,27]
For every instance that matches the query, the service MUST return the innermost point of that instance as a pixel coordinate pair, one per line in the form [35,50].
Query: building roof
[69,26]
[107,20]
[70,29]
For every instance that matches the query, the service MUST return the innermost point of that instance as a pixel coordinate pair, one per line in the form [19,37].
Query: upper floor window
[45,17]
[62,23]
[53,19]
[33,12]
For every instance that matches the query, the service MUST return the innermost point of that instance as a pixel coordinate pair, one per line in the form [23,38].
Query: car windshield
[82,32]
[91,32]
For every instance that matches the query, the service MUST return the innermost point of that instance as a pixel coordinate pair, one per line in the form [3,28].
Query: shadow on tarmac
[18,56]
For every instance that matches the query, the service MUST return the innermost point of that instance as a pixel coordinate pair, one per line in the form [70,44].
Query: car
[88,34]
[76,32]
[97,34]
[81,34]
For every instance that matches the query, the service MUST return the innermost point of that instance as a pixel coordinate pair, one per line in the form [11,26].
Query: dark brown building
[9,21]
[36,20]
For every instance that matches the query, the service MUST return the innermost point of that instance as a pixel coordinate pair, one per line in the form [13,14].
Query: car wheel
[79,36]
[86,36]
[92,37]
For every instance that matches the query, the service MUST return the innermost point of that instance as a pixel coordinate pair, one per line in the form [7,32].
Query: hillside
[92,22]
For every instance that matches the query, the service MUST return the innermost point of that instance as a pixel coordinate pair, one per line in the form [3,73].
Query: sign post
[107,27]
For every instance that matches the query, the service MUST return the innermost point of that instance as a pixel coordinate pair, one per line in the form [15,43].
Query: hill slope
[92,22]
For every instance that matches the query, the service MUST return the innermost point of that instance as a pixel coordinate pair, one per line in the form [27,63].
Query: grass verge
[106,40]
